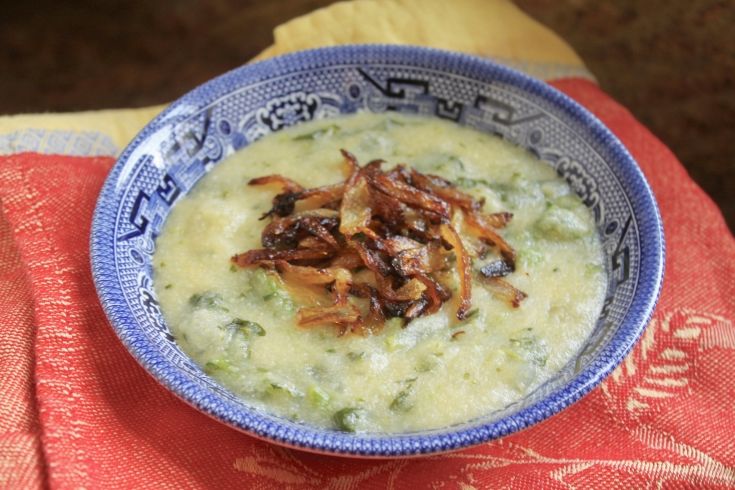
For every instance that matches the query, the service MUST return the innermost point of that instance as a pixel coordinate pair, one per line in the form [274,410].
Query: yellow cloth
[491,28]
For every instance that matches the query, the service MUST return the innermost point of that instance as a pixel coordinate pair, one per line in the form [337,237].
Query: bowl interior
[196,132]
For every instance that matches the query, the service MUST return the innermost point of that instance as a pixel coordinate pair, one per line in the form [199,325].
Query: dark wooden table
[672,63]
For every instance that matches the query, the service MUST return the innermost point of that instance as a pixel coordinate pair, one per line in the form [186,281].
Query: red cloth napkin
[78,411]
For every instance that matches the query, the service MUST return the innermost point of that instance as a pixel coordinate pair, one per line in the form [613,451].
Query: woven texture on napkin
[664,419]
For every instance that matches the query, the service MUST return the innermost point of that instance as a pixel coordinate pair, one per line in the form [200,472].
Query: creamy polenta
[239,324]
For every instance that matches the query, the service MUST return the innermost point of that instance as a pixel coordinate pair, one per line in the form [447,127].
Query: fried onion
[385,238]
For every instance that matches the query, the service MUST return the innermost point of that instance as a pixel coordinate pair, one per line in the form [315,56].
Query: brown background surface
[672,63]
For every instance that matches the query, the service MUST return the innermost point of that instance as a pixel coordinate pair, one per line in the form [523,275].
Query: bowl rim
[314,439]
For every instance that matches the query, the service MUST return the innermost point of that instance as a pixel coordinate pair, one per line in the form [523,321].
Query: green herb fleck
[268,287]
[349,419]
[216,365]
[355,356]
[246,327]
[275,389]
[263,284]
[403,402]
[168,286]
[317,396]
[207,300]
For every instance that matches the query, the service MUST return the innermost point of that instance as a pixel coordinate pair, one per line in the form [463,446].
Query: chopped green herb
[349,419]
[246,327]
[355,356]
[317,396]
[275,389]
[403,402]
[268,287]
[216,365]
[331,350]
[208,300]
[168,286]
[233,268]
[263,283]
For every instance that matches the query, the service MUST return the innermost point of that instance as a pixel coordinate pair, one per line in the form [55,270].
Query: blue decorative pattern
[73,143]
[175,150]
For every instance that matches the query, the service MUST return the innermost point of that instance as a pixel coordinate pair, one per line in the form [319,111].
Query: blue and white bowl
[168,157]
